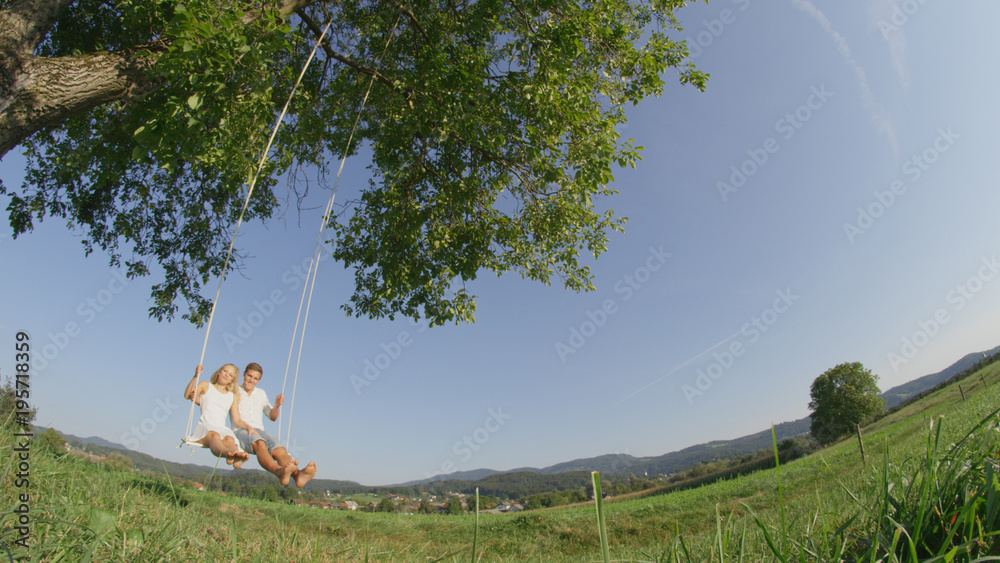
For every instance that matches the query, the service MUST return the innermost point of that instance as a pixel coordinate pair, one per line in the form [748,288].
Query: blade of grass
[170,482]
[475,530]
[232,535]
[781,500]
[743,538]
[767,535]
[718,532]
[601,525]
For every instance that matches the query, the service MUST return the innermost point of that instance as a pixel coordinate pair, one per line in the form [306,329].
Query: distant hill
[472,475]
[144,462]
[199,473]
[684,459]
[512,484]
[141,461]
[623,464]
[901,393]
[95,440]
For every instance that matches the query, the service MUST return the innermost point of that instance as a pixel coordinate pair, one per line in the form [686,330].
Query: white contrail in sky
[664,376]
[881,13]
[878,116]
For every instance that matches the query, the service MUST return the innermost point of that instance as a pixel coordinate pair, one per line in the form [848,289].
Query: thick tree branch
[22,25]
[49,90]
[42,92]
[38,92]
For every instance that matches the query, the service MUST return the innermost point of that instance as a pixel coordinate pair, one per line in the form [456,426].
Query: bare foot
[285,473]
[236,458]
[303,476]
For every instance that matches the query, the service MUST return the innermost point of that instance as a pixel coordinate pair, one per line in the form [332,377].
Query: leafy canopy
[52,440]
[492,127]
[842,398]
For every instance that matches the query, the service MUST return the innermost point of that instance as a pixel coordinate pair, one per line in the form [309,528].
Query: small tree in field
[454,506]
[117,462]
[842,398]
[52,440]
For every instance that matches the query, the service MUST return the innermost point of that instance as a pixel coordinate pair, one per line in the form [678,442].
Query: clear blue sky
[745,257]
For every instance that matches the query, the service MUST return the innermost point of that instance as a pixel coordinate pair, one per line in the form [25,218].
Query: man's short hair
[254,366]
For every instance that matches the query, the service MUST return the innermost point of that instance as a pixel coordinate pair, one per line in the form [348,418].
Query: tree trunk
[44,92]
[39,92]
[36,92]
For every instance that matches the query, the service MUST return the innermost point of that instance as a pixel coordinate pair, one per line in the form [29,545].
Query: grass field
[914,499]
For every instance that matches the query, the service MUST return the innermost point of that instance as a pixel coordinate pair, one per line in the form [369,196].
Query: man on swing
[271,455]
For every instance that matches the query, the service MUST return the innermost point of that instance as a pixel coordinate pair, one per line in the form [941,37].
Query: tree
[53,441]
[425,507]
[386,505]
[117,462]
[486,502]
[491,125]
[454,506]
[271,494]
[842,398]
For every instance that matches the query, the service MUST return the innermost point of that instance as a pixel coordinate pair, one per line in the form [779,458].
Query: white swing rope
[239,221]
[314,261]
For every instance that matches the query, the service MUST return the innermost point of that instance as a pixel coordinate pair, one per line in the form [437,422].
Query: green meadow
[928,490]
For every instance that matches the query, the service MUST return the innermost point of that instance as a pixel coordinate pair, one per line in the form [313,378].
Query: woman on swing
[216,399]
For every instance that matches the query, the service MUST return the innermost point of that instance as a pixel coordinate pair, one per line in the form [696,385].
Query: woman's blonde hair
[232,383]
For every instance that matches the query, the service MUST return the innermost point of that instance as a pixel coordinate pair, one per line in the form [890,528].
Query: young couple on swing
[245,405]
